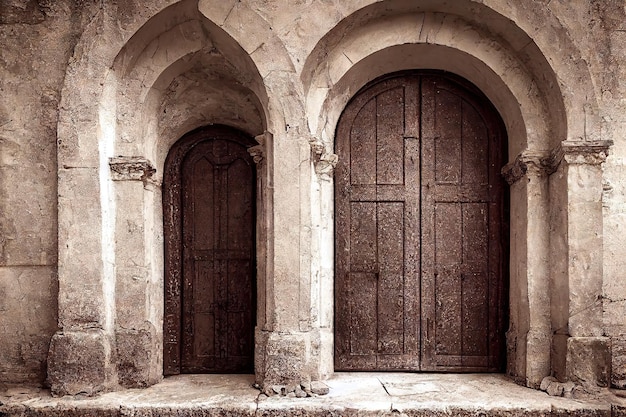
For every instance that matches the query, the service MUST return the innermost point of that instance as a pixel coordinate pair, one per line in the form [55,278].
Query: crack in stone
[383,385]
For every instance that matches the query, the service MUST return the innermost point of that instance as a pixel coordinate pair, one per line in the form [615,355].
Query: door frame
[492,113]
[173,237]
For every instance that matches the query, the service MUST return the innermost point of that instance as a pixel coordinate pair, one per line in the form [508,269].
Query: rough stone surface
[589,361]
[351,394]
[136,357]
[78,363]
[618,368]
[84,81]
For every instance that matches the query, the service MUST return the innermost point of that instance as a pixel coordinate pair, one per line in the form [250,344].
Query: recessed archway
[210,258]
[452,43]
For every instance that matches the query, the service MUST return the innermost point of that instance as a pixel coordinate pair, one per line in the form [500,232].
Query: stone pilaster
[588,351]
[286,333]
[81,357]
[138,359]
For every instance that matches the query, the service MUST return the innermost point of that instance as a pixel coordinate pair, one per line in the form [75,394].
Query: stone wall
[37,40]
[125,80]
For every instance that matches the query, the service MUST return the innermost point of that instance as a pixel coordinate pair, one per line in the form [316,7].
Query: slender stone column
[528,337]
[138,284]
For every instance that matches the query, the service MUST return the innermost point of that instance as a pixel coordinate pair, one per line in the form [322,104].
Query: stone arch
[530,90]
[171,71]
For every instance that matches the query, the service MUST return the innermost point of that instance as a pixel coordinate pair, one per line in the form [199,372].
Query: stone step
[351,394]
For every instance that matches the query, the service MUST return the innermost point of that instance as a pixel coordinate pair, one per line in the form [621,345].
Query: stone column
[323,262]
[138,288]
[82,352]
[286,337]
[528,337]
[588,350]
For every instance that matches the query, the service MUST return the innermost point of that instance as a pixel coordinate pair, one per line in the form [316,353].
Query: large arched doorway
[209,227]
[420,268]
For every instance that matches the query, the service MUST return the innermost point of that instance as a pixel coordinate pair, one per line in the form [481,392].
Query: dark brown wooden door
[215,291]
[420,279]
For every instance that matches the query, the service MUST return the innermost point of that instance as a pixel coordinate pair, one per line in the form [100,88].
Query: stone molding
[131,168]
[546,163]
[258,151]
[525,163]
[324,161]
[582,153]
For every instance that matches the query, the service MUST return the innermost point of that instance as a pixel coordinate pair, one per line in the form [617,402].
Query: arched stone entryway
[138,84]
[544,150]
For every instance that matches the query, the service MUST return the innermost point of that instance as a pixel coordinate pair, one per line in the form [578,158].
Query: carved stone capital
[131,168]
[258,151]
[326,165]
[546,163]
[583,152]
[535,163]
[323,160]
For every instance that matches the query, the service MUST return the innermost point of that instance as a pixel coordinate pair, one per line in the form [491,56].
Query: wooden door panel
[390,137]
[419,273]
[209,232]
[461,224]
[390,305]
[376,328]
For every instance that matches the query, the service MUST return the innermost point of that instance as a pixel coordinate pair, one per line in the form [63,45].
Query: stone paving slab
[351,394]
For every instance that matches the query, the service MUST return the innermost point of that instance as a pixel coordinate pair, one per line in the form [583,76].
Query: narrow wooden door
[215,291]
[419,233]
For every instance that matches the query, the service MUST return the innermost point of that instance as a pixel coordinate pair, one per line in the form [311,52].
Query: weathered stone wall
[36,39]
[143,73]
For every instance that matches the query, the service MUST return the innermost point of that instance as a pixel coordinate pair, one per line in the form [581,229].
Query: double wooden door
[210,253]
[420,259]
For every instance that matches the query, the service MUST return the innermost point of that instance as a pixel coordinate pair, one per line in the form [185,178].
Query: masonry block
[618,366]
[588,361]
[138,361]
[286,360]
[79,362]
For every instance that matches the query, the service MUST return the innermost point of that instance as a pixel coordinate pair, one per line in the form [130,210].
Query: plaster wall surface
[140,74]
[37,39]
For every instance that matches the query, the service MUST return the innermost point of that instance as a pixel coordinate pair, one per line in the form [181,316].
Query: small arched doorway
[420,230]
[210,256]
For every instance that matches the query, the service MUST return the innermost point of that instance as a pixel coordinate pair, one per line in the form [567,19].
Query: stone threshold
[351,394]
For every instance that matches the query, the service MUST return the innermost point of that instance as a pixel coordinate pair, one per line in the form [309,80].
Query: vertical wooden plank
[475,280]
[363,237]
[391,278]
[448,255]
[475,161]
[390,137]
[362,142]
[412,228]
[239,210]
[448,117]
[202,202]
[412,104]
[204,310]
[428,359]
[363,316]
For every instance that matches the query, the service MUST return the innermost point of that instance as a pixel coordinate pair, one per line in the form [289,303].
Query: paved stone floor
[351,394]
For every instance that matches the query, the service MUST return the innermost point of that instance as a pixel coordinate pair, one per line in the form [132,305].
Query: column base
[282,360]
[139,362]
[588,361]
[79,362]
